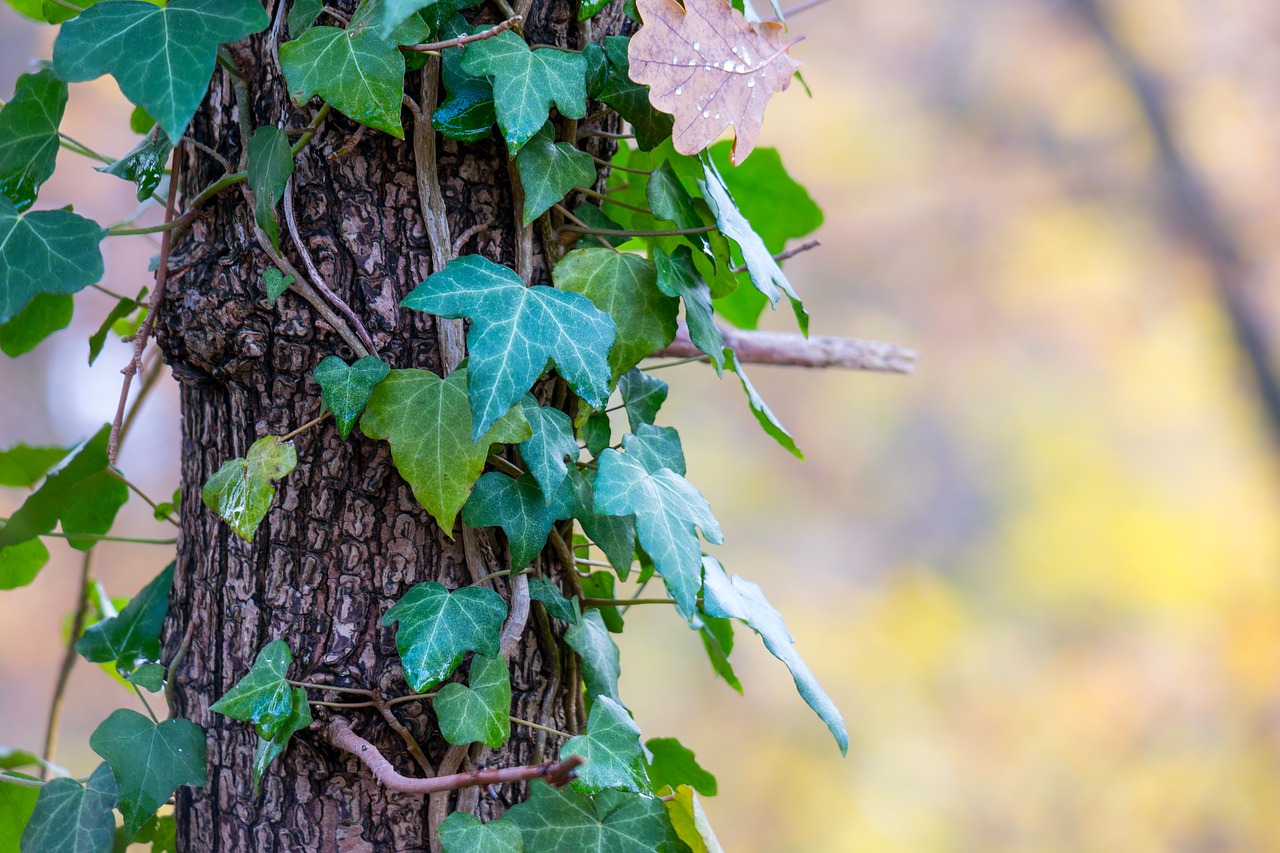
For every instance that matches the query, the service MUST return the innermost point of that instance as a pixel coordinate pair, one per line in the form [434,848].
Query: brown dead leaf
[707,66]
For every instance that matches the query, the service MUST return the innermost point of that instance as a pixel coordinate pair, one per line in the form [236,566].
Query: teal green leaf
[437,628]
[656,448]
[73,818]
[717,640]
[44,315]
[436,13]
[597,433]
[269,749]
[240,492]
[552,442]
[269,168]
[263,696]
[162,58]
[669,200]
[594,217]
[611,746]
[642,396]
[742,600]
[20,563]
[601,585]
[559,607]
[601,662]
[614,535]
[517,506]
[549,170]
[148,675]
[678,277]
[672,764]
[515,330]
[764,415]
[480,711]
[144,165]
[467,113]
[83,494]
[302,16]
[629,98]
[612,821]
[45,251]
[17,802]
[149,761]
[691,822]
[668,509]
[526,83]
[275,283]
[122,309]
[131,638]
[427,422]
[624,286]
[345,389]
[29,136]
[23,465]
[464,833]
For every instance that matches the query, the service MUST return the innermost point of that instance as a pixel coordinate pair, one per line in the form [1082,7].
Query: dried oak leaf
[707,66]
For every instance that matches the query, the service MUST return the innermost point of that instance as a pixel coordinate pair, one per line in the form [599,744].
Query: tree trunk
[344,538]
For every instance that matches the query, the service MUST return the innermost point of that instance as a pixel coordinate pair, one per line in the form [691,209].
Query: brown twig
[68,662]
[171,673]
[782,256]
[435,46]
[761,347]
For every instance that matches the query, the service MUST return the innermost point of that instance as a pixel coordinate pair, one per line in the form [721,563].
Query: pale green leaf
[629,98]
[437,628]
[45,251]
[678,277]
[549,170]
[275,283]
[611,822]
[23,465]
[346,389]
[716,634]
[45,314]
[269,749]
[611,746]
[29,136]
[73,818]
[691,822]
[464,833]
[672,764]
[544,590]
[148,675]
[122,309]
[17,802]
[302,16]
[614,535]
[602,585]
[140,121]
[269,169]
[764,415]
[546,451]
[642,396]
[263,696]
[240,492]
[20,563]
[479,711]
[655,448]
[517,506]
[131,638]
[601,662]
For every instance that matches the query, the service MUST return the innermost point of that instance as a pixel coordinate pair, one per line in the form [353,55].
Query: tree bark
[344,538]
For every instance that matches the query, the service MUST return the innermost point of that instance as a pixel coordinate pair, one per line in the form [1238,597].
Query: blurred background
[1041,577]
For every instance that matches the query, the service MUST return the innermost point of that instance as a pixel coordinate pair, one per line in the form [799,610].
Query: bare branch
[760,347]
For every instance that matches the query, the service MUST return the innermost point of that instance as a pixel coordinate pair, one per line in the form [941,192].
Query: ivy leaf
[83,494]
[672,764]
[302,16]
[624,286]
[691,823]
[263,696]
[427,422]
[357,70]
[597,433]
[467,113]
[149,761]
[559,607]
[44,315]
[717,640]
[161,831]
[269,169]
[596,218]
[144,165]
[345,389]
[547,449]
[677,277]
[614,535]
[23,465]
[122,309]
[563,819]
[764,415]
[642,396]
[271,748]
[655,448]
[526,83]
[275,283]
[464,833]
[162,57]
[628,98]
[518,508]
[131,639]
[435,12]
[601,585]
[29,136]
[479,712]
[20,563]
[45,251]
[549,170]
[709,68]
[667,510]
[612,749]
[515,330]
[438,627]
[240,492]
[601,663]
[16,806]
[742,600]
[148,675]
[73,818]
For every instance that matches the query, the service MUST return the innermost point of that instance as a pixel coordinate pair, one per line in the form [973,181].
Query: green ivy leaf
[624,286]
[526,83]
[132,638]
[518,508]
[144,165]
[44,315]
[597,433]
[122,309]
[544,590]
[140,121]
[601,585]
[17,803]
[45,251]
[667,510]
[596,218]
[83,494]
[437,628]
[717,640]
[764,415]
[162,58]
[269,749]
[615,821]
[302,16]
[515,330]
[73,818]
[240,492]
[550,445]
[615,535]
[677,277]
[691,822]
[629,98]
[275,283]
[672,764]
[590,8]
[467,113]
[742,600]
[612,749]
[149,761]
[263,696]
[19,564]
[464,833]
[23,465]
[479,712]
[269,168]
[345,389]
[549,170]
[427,422]
[601,662]
[149,676]
[356,69]
[655,448]
[435,12]
[642,396]
[29,136]
[160,831]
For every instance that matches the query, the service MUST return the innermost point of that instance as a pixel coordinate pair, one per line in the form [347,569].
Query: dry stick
[569,216]
[782,256]
[409,741]
[438,801]
[68,661]
[761,347]
[611,200]
[524,233]
[615,168]
[465,236]
[800,7]
[153,374]
[308,425]
[619,232]
[435,46]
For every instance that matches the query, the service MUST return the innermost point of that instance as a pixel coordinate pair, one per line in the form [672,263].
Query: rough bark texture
[345,537]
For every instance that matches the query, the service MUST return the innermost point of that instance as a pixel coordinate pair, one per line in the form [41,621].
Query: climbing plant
[509,438]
